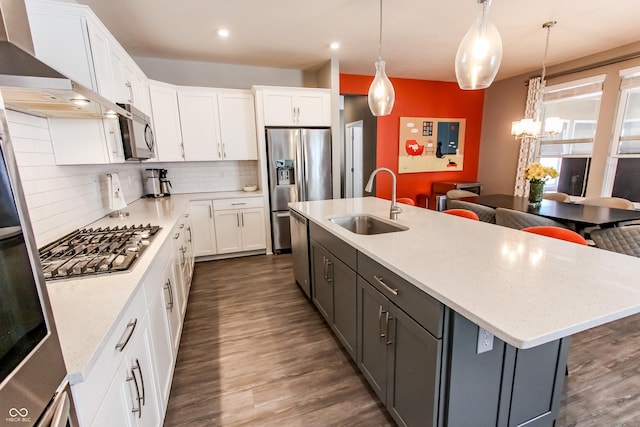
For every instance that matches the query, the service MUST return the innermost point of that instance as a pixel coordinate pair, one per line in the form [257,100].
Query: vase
[535,192]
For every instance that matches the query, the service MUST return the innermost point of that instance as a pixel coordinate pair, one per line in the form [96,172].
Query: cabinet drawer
[343,251]
[89,393]
[242,203]
[427,311]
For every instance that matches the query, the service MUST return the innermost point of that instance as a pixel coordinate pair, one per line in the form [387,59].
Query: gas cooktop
[96,251]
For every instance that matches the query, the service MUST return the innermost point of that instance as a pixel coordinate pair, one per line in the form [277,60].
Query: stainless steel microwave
[137,134]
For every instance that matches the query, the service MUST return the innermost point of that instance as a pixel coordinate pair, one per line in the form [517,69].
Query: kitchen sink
[366,224]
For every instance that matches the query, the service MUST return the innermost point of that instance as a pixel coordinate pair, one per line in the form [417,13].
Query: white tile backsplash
[62,199]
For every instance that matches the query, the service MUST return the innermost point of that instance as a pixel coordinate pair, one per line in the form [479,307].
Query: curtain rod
[599,64]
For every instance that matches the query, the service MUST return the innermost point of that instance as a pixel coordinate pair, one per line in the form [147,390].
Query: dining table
[579,215]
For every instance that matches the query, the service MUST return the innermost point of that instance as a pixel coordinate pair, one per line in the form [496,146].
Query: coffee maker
[151,180]
[165,184]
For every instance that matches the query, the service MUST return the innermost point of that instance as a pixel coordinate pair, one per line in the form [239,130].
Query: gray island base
[427,362]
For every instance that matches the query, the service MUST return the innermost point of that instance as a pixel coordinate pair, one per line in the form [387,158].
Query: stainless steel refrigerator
[299,165]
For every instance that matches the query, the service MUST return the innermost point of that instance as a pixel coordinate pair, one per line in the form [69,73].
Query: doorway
[354,184]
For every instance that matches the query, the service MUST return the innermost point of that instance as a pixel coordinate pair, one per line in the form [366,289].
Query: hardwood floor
[254,351]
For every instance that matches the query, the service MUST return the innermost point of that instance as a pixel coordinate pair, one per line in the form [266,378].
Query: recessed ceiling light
[335,45]
[223,32]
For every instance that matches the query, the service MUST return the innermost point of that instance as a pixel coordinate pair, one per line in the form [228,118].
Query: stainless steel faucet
[395,209]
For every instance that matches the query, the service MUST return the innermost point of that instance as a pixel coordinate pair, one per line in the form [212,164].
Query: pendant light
[530,128]
[479,53]
[381,94]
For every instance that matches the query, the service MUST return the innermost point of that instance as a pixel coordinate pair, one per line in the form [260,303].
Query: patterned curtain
[528,144]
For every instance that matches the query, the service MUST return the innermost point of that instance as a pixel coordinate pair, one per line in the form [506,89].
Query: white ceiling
[420,37]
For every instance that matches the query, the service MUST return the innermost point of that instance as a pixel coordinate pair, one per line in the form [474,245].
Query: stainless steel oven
[31,364]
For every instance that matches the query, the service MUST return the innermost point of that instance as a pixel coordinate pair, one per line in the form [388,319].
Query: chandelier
[531,128]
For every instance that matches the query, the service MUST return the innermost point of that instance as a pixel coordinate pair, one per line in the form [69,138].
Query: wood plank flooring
[254,352]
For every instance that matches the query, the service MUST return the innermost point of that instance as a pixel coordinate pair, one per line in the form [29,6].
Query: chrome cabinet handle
[190,235]
[224,151]
[219,150]
[131,326]
[324,267]
[238,218]
[186,215]
[130,88]
[182,149]
[176,236]
[181,226]
[238,204]
[380,311]
[329,271]
[242,218]
[210,212]
[380,280]
[182,257]
[141,379]
[169,289]
[137,398]
[386,326]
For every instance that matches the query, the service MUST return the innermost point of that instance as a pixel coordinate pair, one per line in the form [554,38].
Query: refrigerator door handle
[304,178]
[300,171]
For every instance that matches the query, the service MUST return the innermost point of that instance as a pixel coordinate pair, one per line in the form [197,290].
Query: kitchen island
[528,291]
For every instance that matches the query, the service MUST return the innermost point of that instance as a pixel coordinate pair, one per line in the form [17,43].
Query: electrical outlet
[485,341]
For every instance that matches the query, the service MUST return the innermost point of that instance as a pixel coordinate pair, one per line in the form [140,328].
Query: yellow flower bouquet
[535,172]
[537,175]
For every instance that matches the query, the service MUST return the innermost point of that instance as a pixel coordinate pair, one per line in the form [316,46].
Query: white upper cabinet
[199,124]
[203,124]
[237,126]
[296,106]
[61,39]
[166,122]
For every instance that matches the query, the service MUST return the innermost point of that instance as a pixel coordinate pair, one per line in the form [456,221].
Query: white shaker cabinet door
[198,120]
[228,232]
[253,229]
[203,228]
[314,109]
[166,123]
[279,109]
[60,40]
[238,126]
[163,309]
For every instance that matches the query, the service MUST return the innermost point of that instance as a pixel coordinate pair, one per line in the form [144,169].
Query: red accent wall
[421,98]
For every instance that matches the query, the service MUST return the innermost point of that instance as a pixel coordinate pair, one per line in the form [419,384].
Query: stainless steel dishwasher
[300,250]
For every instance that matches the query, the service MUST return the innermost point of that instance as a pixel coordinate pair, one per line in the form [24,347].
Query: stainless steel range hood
[30,86]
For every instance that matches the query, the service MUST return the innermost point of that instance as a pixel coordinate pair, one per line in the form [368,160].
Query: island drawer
[343,251]
[424,309]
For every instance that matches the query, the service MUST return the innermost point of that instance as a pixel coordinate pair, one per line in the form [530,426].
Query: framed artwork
[431,144]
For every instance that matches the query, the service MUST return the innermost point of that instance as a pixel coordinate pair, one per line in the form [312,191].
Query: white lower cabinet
[132,399]
[130,381]
[240,230]
[239,225]
[204,228]
[227,225]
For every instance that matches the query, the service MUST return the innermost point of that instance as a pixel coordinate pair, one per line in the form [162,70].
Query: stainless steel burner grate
[95,251]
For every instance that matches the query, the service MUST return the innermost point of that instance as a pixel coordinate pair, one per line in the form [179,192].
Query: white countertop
[85,309]
[525,289]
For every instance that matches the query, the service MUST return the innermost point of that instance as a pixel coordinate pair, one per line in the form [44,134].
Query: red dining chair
[463,213]
[406,201]
[557,233]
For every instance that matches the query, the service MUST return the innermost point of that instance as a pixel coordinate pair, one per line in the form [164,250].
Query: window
[623,166]
[577,105]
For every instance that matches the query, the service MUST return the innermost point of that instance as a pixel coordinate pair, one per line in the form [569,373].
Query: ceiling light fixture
[335,45]
[223,32]
[381,95]
[530,128]
[81,101]
[479,53]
